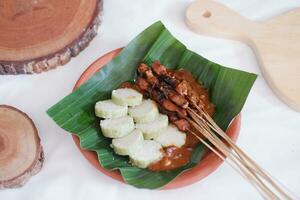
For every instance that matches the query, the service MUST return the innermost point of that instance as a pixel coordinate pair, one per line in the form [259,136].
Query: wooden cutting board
[38,35]
[276,42]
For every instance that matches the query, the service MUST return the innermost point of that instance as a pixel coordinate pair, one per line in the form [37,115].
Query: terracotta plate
[206,166]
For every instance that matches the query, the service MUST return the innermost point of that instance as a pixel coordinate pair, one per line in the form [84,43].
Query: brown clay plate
[209,163]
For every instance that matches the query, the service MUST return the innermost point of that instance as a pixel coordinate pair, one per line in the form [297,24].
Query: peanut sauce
[174,157]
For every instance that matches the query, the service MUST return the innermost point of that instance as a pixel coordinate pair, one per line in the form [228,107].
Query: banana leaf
[228,88]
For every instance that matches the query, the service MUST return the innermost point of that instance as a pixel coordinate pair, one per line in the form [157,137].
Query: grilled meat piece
[168,79]
[175,97]
[142,68]
[142,84]
[182,113]
[178,100]
[169,105]
[158,68]
[173,118]
[182,124]
[149,74]
[151,78]
[157,95]
[172,115]
[182,88]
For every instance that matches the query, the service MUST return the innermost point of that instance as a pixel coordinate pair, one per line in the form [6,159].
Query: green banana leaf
[228,88]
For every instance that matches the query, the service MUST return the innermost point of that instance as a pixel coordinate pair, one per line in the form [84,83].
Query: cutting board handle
[211,18]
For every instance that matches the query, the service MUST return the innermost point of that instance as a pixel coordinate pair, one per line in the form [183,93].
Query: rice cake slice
[154,128]
[129,143]
[171,137]
[127,97]
[147,111]
[149,152]
[108,109]
[117,127]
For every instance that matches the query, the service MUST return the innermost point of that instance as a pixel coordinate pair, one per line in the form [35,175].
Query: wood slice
[38,35]
[21,154]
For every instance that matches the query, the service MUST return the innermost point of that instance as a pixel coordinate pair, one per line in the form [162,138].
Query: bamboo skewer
[242,167]
[241,162]
[244,164]
[243,155]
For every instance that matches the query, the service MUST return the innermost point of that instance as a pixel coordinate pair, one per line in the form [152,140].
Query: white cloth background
[270,131]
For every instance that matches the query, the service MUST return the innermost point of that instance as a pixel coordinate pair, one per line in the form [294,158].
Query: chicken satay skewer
[181,88]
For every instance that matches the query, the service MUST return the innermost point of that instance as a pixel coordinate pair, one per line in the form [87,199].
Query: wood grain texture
[39,35]
[21,153]
[275,42]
